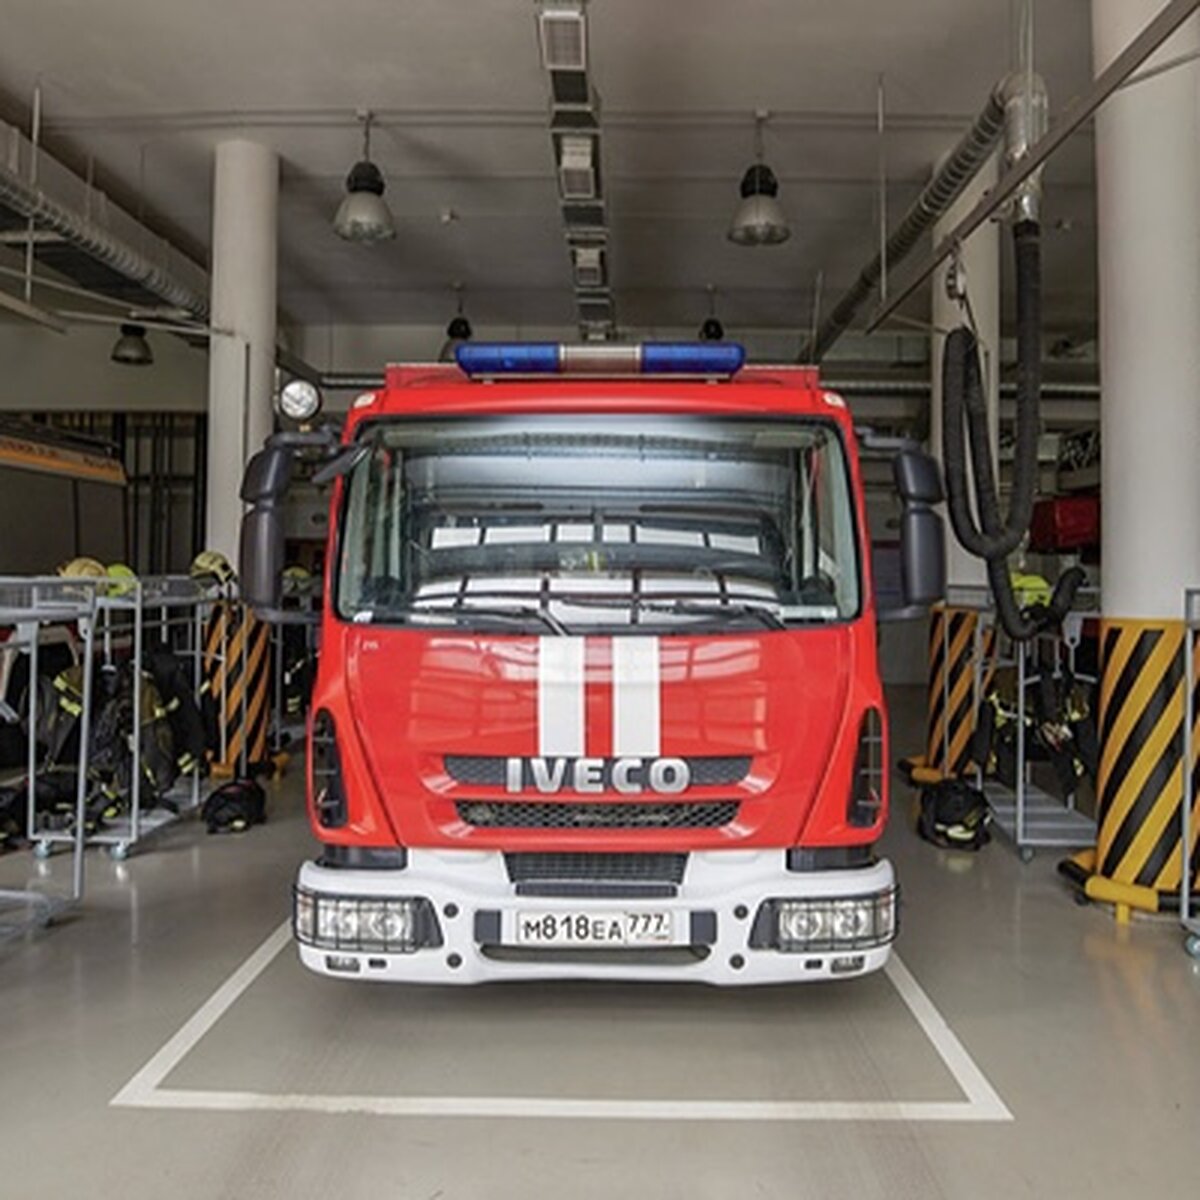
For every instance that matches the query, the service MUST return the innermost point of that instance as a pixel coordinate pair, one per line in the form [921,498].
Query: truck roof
[419,389]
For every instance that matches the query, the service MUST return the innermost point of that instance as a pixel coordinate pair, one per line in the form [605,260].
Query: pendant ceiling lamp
[363,215]
[759,219]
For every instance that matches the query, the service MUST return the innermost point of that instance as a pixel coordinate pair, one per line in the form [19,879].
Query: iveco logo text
[629,776]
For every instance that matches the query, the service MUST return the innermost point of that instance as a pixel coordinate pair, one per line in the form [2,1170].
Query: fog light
[343,963]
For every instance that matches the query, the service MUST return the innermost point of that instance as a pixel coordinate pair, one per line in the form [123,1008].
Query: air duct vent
[577,169]
[563,33]
[590,268]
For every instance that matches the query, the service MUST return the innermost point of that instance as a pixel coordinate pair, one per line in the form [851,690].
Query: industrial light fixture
[712,330]
[363,215]
[759,220]
[458,331]
[131,349]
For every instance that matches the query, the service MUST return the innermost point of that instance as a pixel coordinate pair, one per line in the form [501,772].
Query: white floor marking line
[144,1090]
[144,1083]
[551,1108]
[952,1052]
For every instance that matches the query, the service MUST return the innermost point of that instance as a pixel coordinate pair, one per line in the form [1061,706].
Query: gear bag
[235,807]
[954,815]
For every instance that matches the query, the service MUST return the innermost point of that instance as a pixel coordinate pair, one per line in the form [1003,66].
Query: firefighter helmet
[82,568]
[211,567]
[123,578]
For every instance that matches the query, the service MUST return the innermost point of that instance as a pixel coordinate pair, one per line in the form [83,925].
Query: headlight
[852,919]
[396,925]
[388,921]
[802,923]
[854,923]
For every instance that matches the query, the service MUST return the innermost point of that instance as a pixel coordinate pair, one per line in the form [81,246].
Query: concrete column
[242,362]
[1148,218]
[981,258]
[1148,226]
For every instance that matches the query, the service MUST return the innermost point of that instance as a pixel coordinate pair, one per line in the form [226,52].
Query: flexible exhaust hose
[995,536]
[963,396]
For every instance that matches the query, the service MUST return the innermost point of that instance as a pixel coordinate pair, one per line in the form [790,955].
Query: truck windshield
[563,524]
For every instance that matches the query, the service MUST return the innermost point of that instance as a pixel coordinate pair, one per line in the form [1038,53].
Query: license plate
[566,927]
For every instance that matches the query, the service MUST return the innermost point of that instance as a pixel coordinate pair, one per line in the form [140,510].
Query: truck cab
[597,693]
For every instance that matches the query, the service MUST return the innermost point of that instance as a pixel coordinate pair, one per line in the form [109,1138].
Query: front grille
[484,814]
[488,771]
[590,867]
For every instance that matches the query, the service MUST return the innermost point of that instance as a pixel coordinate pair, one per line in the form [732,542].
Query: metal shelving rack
[302,604]
[1028,815]
[172,610]
[26,606]
[1189,913]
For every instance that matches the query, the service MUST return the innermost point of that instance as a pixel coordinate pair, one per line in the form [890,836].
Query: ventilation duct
[575,139]
[960,167]
[96,256]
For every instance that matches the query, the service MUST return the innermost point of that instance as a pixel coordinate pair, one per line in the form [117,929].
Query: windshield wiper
[688,609]
[514,612]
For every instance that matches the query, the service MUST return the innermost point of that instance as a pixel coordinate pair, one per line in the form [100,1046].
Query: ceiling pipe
[963,163]
[32,203]
[921,387]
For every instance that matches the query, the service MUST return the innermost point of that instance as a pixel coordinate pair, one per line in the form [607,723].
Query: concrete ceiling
[148,88]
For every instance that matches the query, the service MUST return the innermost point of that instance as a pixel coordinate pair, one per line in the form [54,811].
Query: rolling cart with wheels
[27,607]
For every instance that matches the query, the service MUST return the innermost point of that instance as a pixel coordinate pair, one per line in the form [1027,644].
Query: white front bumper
[732,884]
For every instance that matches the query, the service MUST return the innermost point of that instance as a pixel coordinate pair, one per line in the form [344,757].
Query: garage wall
[42,370]
[337,347]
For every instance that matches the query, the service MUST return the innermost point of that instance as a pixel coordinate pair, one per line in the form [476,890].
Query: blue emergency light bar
[703,359]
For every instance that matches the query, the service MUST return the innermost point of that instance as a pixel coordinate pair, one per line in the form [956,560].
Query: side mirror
[922,534]
[260,555]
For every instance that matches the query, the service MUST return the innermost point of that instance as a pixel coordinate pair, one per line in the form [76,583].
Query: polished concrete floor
[1085,1034]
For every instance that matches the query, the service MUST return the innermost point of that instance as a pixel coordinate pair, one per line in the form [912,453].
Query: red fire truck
[597,692]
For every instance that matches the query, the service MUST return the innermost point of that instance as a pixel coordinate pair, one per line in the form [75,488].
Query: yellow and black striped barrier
[1138,855]
[237,673]
[955,639]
